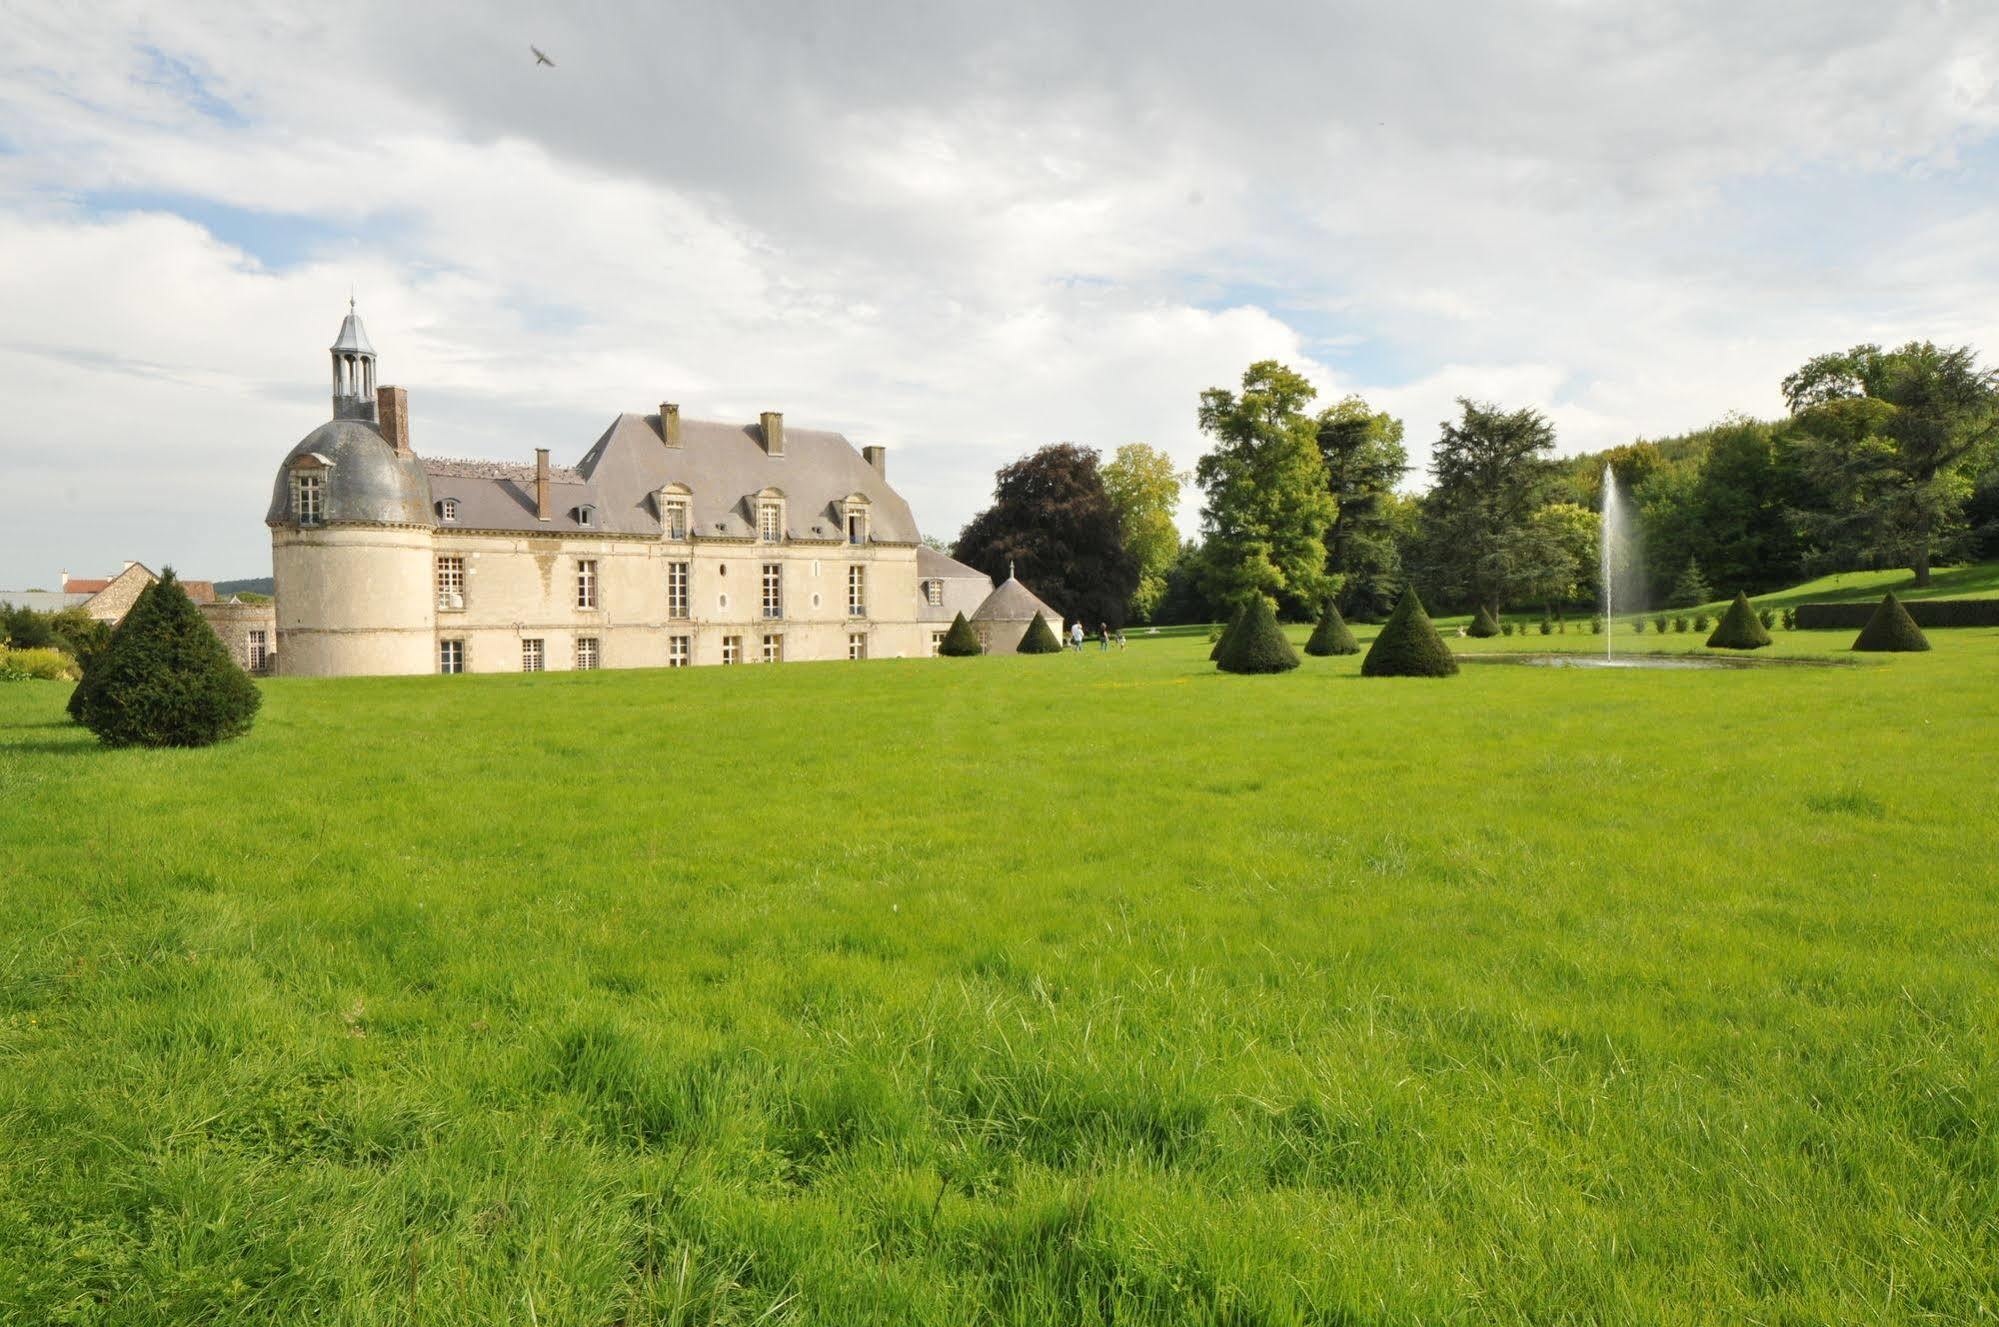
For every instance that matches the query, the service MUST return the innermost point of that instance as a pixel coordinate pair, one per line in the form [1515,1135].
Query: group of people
[1105,636]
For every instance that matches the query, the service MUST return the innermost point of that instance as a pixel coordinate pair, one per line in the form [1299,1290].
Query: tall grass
[1078,989]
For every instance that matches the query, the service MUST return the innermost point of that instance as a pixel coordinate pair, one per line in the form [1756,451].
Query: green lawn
[1042,990]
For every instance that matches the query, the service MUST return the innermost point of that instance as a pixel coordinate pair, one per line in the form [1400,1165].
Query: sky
[963,231]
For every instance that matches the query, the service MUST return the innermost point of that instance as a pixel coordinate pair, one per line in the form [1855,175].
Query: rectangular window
[773,649]
[732,649]
[770,522]
[258,652]
[586,652]
[936,643]
[451,583]
[857,591]
[531,656]
[451,656]
[933,593]
[678,650]
[586,583]
[857,645]
[857,527]
[306,498]
[676,591]
[773,590]
[674,518]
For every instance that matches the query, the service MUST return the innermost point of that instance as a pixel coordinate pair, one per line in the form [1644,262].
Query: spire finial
[1009,568]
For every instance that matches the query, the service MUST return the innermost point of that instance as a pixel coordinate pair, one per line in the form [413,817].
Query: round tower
[351,524]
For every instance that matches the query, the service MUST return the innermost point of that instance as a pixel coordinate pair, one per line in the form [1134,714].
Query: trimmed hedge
[1739,628]
[1891,630]
[1039,638]
[165,679]
[1255,644]
[1931,613]
[1235,620]
[1331,635]
[1408,645]
[960,642]
[1483,624]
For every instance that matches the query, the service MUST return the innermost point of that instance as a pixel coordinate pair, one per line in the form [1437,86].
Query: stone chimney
[392,415]
[669,423]
[878,458]
[541,499]
[773,423]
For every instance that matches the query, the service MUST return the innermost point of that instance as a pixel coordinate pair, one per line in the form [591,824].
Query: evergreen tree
[165,679]
[1483,623]
[1256,644]
[1739,628]
[1235,620]
[1039,638]
[1891,630]
[1408,645]
[1691,589]
[1481,543]
[1331,635]
[960,641]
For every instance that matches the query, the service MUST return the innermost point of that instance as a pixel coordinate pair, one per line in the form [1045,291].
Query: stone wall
[238,626]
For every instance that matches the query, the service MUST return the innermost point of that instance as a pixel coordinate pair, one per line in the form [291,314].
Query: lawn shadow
[52,748]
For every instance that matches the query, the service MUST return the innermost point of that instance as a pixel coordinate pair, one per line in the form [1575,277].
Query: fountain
[1608,539]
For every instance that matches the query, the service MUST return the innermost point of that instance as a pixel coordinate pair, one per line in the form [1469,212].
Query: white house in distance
[671,542]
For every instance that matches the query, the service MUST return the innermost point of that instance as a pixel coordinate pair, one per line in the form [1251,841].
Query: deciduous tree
[1144,491]
[1364,459]
[1268,506]
[1885,436]
[1052,523]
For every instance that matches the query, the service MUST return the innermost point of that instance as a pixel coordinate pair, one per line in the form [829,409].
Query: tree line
[1884,458]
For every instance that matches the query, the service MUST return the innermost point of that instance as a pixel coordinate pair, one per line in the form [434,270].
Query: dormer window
[933,593]
[676,513]
[854,517]
[770,517]
[308,491]
[586,516]
[447,510]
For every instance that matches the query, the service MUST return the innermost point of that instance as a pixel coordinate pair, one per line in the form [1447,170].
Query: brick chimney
[773,423]
[392,416]
[878,458]
[541,499]
[669,423]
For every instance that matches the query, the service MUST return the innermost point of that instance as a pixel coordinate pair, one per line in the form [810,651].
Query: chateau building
[671,542]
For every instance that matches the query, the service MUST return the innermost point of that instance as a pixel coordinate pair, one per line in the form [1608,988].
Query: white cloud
[961,234]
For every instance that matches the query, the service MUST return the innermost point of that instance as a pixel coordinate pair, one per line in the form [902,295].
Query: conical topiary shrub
[1039,638]
[960,641]
[1408,645]
[1235,619]
[1331,635]
[1483,623]
[1739,628]
[1891,630]
[165,679]
[1255,644]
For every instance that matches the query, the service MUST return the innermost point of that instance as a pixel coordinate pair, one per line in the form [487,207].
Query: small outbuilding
[1007,613]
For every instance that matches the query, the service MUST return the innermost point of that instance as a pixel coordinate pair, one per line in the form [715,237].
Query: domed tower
[351,525]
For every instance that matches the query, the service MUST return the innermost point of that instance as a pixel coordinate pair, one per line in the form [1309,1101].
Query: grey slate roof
[365,482]
[723,466]
[932,565]
[1014,602]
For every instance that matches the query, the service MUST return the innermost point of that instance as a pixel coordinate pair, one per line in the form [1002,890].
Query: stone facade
[249,631]
[673,542]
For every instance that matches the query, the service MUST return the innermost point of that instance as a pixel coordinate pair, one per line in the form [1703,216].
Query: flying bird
[540,57]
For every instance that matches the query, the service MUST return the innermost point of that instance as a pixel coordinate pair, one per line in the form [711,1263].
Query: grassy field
[1082,989]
